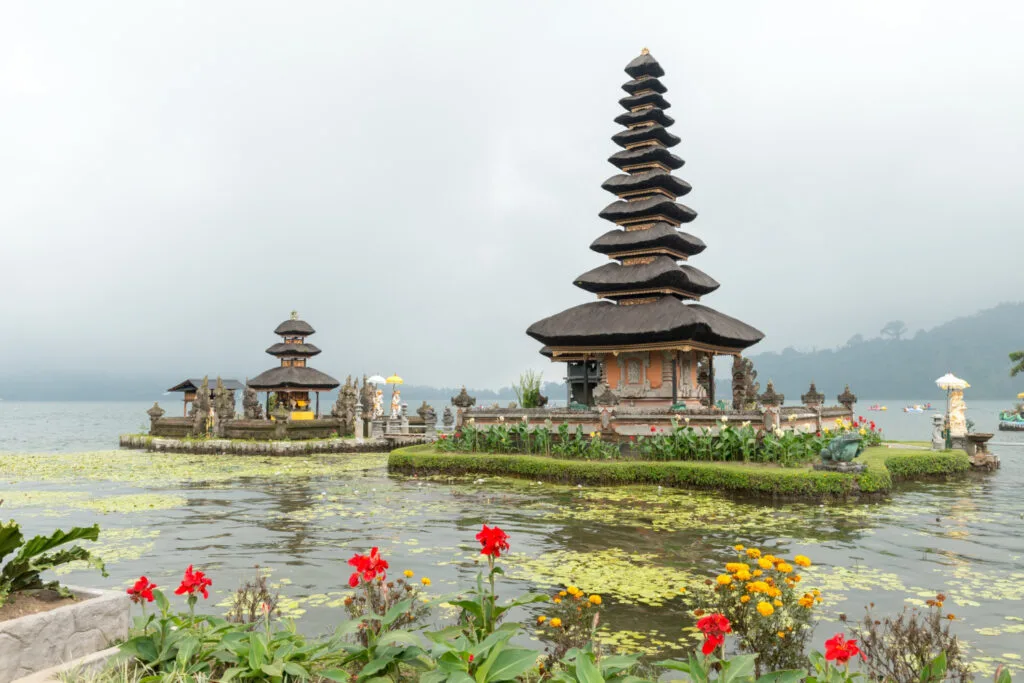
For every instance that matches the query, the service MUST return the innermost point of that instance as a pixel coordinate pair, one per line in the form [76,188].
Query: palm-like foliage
[1017,358]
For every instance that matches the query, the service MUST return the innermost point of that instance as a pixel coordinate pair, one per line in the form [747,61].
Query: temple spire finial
[645,51]
[295,315]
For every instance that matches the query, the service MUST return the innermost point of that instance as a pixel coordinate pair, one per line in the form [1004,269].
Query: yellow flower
[682,589]
[817,600]
[744,599]
[724,579]
[795,578]
[556,622]
[863,431]
[827,431]
[593,434]
[572,590]
[557,600]
[425,581]
[595,599]
[743,575]
[784,567]
[541,619]
[753,553]
[409,573]
[765,563]
[806,601]
[773,592]
[757,572]
[777,603]
[765,609]
[781,634]
[757,587]
[562,594]
[816,592]
[802,561]
[733,567]
[772,559]
[738,548]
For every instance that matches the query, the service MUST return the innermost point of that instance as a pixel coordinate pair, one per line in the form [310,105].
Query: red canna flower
[142,590]
[653,429]
[493,541]
[839,649]
[194,582]
[368,567]
[714,627]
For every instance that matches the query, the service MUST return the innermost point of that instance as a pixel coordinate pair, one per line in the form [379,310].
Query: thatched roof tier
[644,83]
[650,154]
[646,180]
[660,274]
[294,327]
[665,322]
[193,383]
[293,379]
[283,350]
[654,114]
[657,207]
[651,98]
[645,65]
[659,236]
[645,134]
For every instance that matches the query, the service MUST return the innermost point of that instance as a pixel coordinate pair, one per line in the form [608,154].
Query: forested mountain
[975,347]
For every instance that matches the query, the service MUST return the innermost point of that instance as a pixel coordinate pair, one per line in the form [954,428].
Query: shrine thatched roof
[294,327]
[665,320]
[293,378]
[661,235]
[662,272]
[193,383]
[286,350]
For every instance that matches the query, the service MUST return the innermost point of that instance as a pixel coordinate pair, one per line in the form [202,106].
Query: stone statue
[957,414]
[366,398]
[447,419]
[251,406]
[426,410]
[704,380]
[463,401]
[345,406]
[201,409]
[938,439]
[744,388]
[843,448]
[223,402]
[604,396]
[378,404]
[396,402]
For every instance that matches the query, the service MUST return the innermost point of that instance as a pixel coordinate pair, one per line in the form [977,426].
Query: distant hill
[973,347]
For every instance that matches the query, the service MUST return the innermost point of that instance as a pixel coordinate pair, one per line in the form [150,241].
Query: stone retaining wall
[220,446]
[39,641]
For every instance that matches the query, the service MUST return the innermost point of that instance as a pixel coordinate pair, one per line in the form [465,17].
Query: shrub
[927,465]
[22,572]
[902,648]
[528,389]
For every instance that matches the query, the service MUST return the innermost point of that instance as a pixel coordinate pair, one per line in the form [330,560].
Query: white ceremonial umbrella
[376,379]
[950,381]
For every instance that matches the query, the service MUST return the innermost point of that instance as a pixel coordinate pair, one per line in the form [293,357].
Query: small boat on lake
[877,407]
[1012,420]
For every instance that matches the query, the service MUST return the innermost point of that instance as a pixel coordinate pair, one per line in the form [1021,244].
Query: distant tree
[855,339]
[894,329]
[1017,358]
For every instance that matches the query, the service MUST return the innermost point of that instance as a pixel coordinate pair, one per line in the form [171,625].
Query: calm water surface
[302,518]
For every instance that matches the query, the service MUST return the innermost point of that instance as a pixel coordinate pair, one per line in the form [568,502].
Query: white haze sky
[421,180]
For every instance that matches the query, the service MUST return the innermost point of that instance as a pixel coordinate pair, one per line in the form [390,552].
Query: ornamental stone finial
[770,397]
[847,398]
[295,315]
[813,398]
[645,51]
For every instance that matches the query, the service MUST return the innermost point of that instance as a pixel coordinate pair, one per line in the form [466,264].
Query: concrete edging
[63,636]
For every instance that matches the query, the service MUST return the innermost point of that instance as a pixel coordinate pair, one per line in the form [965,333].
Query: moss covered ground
[885,467]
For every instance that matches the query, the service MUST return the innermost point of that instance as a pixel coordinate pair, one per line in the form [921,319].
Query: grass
[884,467]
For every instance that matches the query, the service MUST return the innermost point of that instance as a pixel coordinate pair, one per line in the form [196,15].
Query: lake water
[303,517]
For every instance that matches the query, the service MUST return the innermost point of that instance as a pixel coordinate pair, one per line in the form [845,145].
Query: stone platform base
[36,642]
[83,666]
[159,444]
[843,467]
[985,461]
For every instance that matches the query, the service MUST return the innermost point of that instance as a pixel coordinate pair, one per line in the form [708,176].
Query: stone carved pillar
[155,413]
[938,440]
[377,428]
[403,418]
[360,432]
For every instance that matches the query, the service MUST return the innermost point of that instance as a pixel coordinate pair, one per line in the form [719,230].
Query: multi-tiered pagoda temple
[293,381]
[647,334]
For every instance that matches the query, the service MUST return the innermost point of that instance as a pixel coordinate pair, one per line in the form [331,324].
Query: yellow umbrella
[394,379]
[1020,395]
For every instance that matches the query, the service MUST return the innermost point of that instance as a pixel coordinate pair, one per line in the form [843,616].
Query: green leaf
[471,606]
[398,638]
[787,676]
[257,651]
[374,666]
[273,669]
[586,670]
[396,611]
[10,538]
[512,663]
[339,675]
[674,665]
[935,670]
[142,648]
[616,663]
[230,674]
[737,668]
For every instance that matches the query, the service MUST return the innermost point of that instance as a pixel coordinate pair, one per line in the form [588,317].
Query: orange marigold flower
[753,553]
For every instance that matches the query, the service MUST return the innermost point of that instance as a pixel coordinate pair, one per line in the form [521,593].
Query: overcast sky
[421,180]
